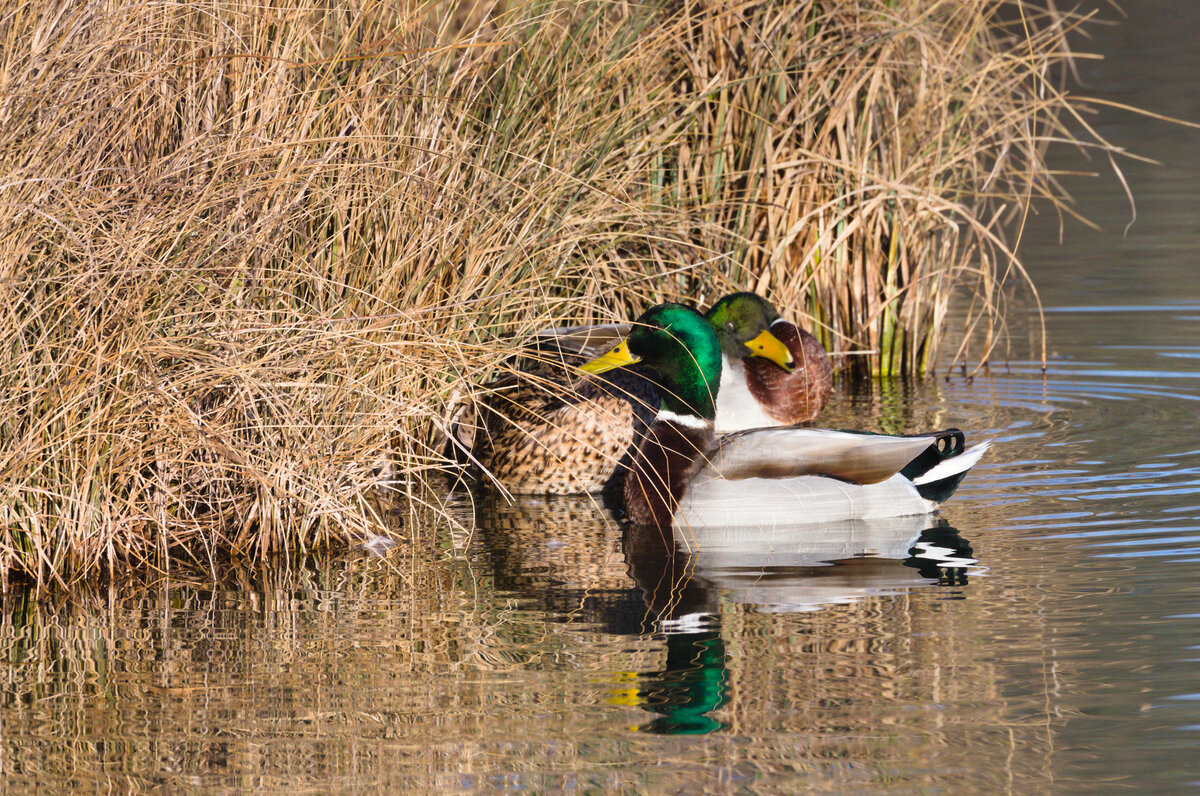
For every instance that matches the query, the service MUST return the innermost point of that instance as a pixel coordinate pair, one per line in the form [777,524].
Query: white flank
[691,421]
[951,467]
[773,503]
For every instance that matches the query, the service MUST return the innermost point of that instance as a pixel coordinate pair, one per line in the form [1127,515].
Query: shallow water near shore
[1043,636]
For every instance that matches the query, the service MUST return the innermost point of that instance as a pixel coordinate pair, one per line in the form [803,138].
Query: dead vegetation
[249,251]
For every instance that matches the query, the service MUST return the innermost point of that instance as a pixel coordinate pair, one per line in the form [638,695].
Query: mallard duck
[761,383]
[684,473]
[539,429]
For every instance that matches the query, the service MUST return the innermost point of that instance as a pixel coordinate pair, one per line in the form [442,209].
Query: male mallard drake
[540,429]
[684,473]
[762,385]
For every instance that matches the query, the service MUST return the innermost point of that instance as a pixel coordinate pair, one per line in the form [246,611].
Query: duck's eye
[729,326]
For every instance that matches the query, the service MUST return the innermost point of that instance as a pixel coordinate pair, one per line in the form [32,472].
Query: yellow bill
[770,347]
[619,357]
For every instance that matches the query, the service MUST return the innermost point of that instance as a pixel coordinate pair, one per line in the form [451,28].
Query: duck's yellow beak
[770,347]
[619,357]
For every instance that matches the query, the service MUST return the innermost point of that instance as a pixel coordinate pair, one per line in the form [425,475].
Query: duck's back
[565,441]
[541,429]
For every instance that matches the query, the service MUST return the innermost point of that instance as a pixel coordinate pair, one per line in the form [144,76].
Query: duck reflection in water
[569,559]
[682,591]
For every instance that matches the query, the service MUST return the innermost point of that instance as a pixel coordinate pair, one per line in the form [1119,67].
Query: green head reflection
[692,684]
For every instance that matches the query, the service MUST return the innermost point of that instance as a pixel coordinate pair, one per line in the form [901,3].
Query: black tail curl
[943,445]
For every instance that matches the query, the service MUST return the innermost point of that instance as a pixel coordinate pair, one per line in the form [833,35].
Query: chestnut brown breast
[669,457]
[799,396]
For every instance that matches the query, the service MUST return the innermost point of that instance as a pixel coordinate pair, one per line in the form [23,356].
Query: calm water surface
[1045,637]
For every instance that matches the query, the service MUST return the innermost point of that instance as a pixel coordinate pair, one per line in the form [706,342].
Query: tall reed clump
[249,251]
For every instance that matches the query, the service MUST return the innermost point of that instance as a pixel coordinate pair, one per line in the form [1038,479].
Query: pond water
[1045,637]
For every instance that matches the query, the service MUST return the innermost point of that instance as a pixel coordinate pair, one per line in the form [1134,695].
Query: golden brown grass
[249,251]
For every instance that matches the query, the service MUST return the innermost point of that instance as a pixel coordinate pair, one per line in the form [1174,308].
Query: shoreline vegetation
[250,252]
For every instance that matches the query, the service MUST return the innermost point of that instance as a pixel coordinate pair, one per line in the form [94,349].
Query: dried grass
[250,251]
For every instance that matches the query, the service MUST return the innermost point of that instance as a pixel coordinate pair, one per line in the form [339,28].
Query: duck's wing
[788,452]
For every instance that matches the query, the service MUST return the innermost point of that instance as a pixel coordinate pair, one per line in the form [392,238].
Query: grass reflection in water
[521,661]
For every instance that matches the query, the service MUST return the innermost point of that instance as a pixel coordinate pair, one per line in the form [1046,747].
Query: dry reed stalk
[249,252]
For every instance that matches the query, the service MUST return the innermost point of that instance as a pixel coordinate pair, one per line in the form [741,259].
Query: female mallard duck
[684,473]
[539,429]
[762,384]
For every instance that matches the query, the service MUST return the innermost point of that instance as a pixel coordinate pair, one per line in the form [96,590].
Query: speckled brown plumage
[799,396]
[544,430]
[557,446]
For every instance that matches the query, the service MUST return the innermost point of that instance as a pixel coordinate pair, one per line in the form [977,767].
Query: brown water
[1046,638]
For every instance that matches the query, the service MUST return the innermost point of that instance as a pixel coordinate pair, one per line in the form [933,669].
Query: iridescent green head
[743,325]
[679,345]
